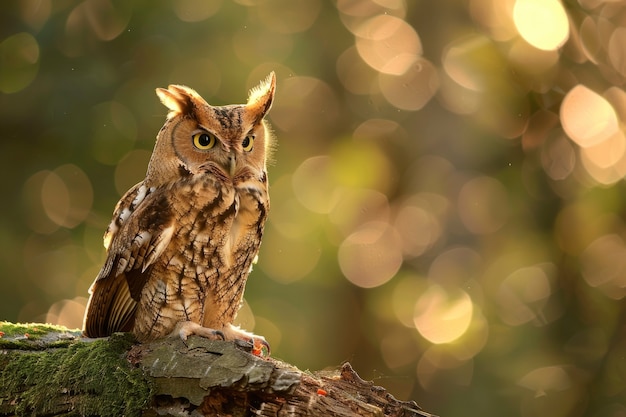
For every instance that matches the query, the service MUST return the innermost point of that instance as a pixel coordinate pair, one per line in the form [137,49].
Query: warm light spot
[617,50]
[523,295]
[35,13]
[195,10]
[372,255]
[406,290]
[543,380]
[603,265]
[532,60]
[603,175]
[106,19]
[418,228]
[496,16]
[290,218]
[413,88]
[66,196]
[472,62]
[587,117]
[483,205]
[558,158]
[355,75]
[68,313]
[542,23]
[456,98]
[437,360]
[608,152]
[313,185]
[617,97]
[19,55]
[352,13]
[388,44]
[357,206]
[305,106]
[442,316]
[456,266]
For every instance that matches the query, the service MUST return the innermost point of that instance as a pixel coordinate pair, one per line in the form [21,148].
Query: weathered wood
[53,372]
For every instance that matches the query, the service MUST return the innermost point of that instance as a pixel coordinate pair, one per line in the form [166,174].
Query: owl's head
[231,142]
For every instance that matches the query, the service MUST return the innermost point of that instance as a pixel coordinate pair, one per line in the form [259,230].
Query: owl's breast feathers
[191,241]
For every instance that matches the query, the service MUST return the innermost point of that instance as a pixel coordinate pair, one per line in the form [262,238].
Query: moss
[84,378]
[35,336]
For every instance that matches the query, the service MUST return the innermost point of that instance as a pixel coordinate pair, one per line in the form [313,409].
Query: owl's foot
[259,345]
[184,329]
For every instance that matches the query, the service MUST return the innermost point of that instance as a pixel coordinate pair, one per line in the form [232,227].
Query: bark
[50,371]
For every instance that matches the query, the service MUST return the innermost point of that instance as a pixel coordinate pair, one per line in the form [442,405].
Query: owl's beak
[232,164]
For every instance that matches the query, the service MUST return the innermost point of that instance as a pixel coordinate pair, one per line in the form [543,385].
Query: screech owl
[182,242]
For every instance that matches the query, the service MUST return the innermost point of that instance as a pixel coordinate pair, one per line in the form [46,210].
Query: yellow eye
[248,143]
[204,140]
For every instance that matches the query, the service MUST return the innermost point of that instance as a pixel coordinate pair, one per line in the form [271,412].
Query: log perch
[52,371]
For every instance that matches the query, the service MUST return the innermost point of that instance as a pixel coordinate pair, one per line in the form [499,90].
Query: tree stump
[52,371]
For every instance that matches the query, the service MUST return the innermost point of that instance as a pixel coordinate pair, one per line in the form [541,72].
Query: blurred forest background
[448,203]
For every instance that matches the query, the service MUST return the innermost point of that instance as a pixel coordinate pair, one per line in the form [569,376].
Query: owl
[182,242]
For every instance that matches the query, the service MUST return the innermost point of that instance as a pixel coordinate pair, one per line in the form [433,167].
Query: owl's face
[229,142]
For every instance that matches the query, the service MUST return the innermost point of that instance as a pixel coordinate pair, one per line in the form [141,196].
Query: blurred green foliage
[447,195]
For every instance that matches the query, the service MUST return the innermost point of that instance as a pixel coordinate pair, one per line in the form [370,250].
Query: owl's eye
[248,143]
[204,141]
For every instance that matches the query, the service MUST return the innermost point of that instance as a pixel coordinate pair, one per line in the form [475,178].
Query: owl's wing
[141,229]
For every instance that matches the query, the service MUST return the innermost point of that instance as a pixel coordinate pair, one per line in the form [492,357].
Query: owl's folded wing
[141,229]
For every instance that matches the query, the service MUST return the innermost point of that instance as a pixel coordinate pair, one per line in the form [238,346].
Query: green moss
[35,336]
[94,377]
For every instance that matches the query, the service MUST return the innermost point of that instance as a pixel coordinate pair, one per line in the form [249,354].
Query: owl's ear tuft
[261,97]
[179,99]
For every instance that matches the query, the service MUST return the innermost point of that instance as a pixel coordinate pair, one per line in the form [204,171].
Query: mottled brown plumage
[182,242]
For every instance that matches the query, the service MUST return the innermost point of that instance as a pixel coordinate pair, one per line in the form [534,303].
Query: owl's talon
[188,328]
[260,346]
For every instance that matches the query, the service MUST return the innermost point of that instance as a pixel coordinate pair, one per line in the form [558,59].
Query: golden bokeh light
[68,313]
[523,295]
[313,185]
[496,16]
[357,206]
[604,265]
[542,23]
[64,195]
[554,389]
[587,117]
[411,89]
[558,158]
[20,62]
[420,224]
[105,19]
[443,315]
[388,44]
[371,255]
[195,10]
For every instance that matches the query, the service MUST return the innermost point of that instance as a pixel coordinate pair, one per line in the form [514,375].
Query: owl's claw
[260,346]
[188,328]
[257,345]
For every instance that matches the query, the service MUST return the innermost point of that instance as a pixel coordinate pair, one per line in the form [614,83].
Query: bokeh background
[448,200]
